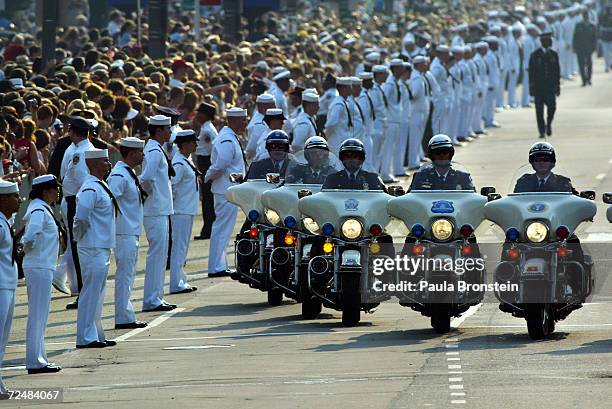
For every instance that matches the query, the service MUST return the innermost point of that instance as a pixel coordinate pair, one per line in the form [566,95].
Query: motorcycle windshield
[431,178]
[311,167]
[529,182]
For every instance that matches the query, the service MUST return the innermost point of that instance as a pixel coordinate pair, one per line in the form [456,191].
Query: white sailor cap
[130,115]
[373,56]
[278,69]
[491,39]
[7,188]
[117,63]
[516,27]
[408,38]
[309,96]
[396,62]
[281,75]
[482,44]
[185,135]
[541,20]
[236,112]
[495,28]
[96,154]
[159,120]
[356,81]
[98,66]
[274,112]
[265,98]
[379,68]
[419,59]
[531,26]
[51,180]
[457,49]
[344,81]
[132,142]
[365,75]
[460,27]
[407,65]
[442,49]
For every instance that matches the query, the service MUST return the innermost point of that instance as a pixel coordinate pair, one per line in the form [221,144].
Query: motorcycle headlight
[537,232]
[442,229]
[311,225]
[351,229]
[272,216]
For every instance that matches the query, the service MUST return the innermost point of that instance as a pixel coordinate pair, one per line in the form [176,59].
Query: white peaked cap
[132,142]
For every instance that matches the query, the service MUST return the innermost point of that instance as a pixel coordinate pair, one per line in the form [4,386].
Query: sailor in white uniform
[339,125]
[305,125]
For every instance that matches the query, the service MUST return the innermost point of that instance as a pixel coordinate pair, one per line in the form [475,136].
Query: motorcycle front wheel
[275,297]
[351,300]
[539,321]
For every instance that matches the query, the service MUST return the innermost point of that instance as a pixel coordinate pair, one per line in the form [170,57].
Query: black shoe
[186,290]
[173,306]
[549,130]
[50,368]
[73,305]
[5,395]
[161,307]
[131,325]
[542,136]
[110,343]
[225,273]
[202,237]
[462,139]
[95,344]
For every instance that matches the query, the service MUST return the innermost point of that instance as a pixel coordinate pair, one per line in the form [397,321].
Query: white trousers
[38,281]
[379,142]
[476,113]
[399,151]
[500,89]
[525,88]
[607,53]
[222,229]
[389,146]
[65,269]
[417,128]
[7,305]
[156,229]
[512,78]
[439,117]
[182,225]
[126,257]
[464,116]
[489,107]
[94,270]
[454,120]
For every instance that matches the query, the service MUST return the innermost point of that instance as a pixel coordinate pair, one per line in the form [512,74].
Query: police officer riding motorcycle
[349,216]
[441,210]
[542,257]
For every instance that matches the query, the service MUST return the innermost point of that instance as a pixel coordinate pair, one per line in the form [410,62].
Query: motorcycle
[445,260]
[350,224]
[290,257]
[543,274]
[254,243]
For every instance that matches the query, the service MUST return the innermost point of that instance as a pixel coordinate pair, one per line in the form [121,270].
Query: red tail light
[466,230]
[466,250]
[376,229]
[417,249]
[513,253]
[254,232]
[563,252]
[562,232]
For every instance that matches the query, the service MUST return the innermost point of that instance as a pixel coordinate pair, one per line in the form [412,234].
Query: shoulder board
[178,163]
[154,150]
[226,141]
[88,190]
[116,174]
[37,210]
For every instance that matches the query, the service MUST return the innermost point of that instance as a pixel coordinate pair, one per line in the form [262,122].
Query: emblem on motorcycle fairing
[537,207]
[351,205]
[442,206]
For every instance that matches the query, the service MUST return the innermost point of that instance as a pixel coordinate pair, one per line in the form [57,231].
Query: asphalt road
[225,348]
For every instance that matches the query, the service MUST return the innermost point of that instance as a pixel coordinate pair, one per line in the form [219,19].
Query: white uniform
[325,101]
[94,229]
[400,153]
[381,103]
[457,87]
[514,57]
[440,119]
[339,125]
[123,183]
[279,98]
[483,85]
[226,158]
[8,284]
[359,119]
[419,111]
[493,67]
[502,58]
[468,81]
[529,46]
[303,128]
[367,107]
[41,245]
[185,191]
[157,208]
[435,101]
[393,91]
[255,130]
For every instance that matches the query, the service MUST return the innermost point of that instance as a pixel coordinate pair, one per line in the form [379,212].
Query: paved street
[225,348]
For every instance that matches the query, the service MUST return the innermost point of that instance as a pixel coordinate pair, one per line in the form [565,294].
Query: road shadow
[507,340]
[595,347]
[399,338]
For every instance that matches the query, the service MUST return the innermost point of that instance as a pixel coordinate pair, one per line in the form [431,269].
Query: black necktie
[427,86]
[14,241]
[384,96]
[61,230]
[276,167]
[197,173]
[141,191]
[314,125]
[371,106]
[399,94]
[171,172]
[112,197]
[360,112]
[410,96]
[348,113]
[541,184]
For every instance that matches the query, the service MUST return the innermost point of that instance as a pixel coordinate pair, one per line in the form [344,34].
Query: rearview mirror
[236,178]
[493,196]
[396,190]
[588,194]
[486,190]
[607,197]
[303,193]
[273,178]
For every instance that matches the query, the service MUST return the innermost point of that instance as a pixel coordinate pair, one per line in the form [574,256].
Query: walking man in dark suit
[544,82]
[585,43]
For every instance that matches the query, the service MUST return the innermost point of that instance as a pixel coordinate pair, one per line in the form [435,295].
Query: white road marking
[451,346]
[452,353]
[457,393]
[454,367]
[600,176]
[455,386]
[13,368]
[190,347]
[455,323]
[453,359]
[157,321]
[458,402]
[455,379]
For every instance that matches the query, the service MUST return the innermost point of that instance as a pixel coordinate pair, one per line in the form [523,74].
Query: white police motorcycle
[290,257]
[441,260]
[543,274]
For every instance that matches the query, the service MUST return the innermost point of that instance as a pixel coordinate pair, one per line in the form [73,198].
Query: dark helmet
[440,142]
[352,145]
[316,142]
[277,137]
[542,149]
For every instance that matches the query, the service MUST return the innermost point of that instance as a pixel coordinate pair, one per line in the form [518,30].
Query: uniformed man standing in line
[492,61]
[278,89]
[206,115]
[305,124]
[339,125]
[544,82]
[393,90]
[329,93]
[440,119]
[515,52]
[156,173]
[369,111]
[130,196]
[358,114]
[185,189]
[257,128]
[226,158]
[9,204]
[73,173]
[381,104]
[530,44]
[483,86]
[94,230]
[419,104]
[41,246]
